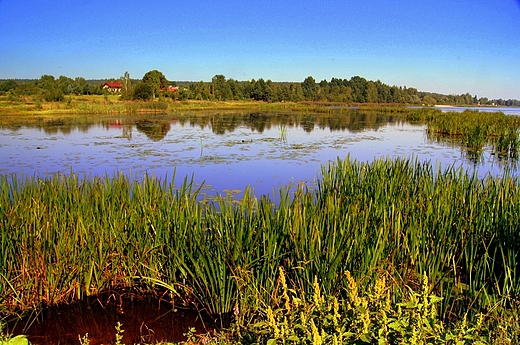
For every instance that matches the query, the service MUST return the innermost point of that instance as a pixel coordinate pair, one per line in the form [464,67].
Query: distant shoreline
[112,105]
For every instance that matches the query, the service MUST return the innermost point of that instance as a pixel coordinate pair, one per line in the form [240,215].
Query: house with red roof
[112,86]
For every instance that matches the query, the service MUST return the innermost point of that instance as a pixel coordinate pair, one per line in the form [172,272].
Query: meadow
[390,251]
[113,105]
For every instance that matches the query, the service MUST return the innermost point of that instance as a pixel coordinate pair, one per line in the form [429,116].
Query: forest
[351,91]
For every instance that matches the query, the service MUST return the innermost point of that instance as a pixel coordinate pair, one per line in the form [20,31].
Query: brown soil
[144,320]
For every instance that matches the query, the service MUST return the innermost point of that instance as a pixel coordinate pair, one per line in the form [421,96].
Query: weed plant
[362,315]
[8,339]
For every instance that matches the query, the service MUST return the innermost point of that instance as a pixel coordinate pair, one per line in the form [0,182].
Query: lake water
[505,110]
[225,153]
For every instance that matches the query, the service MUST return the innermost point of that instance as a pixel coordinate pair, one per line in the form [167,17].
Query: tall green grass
[68,237]
[412,219]
[475,130]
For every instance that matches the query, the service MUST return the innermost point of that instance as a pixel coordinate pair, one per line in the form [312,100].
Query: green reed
[67,237]
[476,129]
[449,224]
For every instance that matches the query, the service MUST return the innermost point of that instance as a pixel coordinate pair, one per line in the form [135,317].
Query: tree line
[49,88]
[154,84]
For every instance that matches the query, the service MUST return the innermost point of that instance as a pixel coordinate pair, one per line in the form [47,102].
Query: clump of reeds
[476,129]
[66,237]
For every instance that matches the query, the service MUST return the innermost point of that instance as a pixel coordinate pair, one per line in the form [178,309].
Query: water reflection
[155,130]
[228,151]
[157,127]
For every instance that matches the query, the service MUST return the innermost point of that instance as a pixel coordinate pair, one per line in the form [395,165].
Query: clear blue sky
[445,46]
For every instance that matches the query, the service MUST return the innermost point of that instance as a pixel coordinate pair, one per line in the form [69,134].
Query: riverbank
[112,105]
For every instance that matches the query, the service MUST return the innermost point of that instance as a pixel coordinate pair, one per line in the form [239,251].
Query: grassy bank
[112,105]
[67,237]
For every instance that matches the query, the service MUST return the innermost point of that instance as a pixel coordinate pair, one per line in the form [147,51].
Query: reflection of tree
[127,131]
[258,121]
[509,161]
[54,126]
[84,128]
[353,121]
[307,123]
[504,148]
[194,121]
[65,125]
[155,130]
[473,155]
[221,124]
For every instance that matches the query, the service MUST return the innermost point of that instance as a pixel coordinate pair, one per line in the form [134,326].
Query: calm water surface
[225,153]
[505,110]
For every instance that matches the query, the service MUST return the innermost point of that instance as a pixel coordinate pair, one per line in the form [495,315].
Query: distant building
[112,86]
[170,89]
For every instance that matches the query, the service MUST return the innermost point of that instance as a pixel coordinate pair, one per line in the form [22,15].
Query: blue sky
[445,46]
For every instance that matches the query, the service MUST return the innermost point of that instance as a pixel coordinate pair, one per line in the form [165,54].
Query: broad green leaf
[18,340]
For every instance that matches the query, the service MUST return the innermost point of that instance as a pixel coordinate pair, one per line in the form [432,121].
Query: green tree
[262,90]
[248,88]
[345,94]
[199,91]
[484,100]
[323,88]
[220,88]
[296,92]
[8,85]
[283,93]
[143,92]
[429,100]
[156,80]
[80,86]
[270,91]
[50,90]
[126,87]
[46,82]
[94,89]
[183,94]
[414,95]
[236,89]
[65,84]
[358,85]
[396,95]
[309,88]
[468,99]
[371,95]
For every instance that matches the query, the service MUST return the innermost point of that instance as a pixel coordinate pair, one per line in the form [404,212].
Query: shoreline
[114,106]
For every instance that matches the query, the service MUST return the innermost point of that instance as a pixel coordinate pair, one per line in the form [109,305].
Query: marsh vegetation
[64,239]
[442,240]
